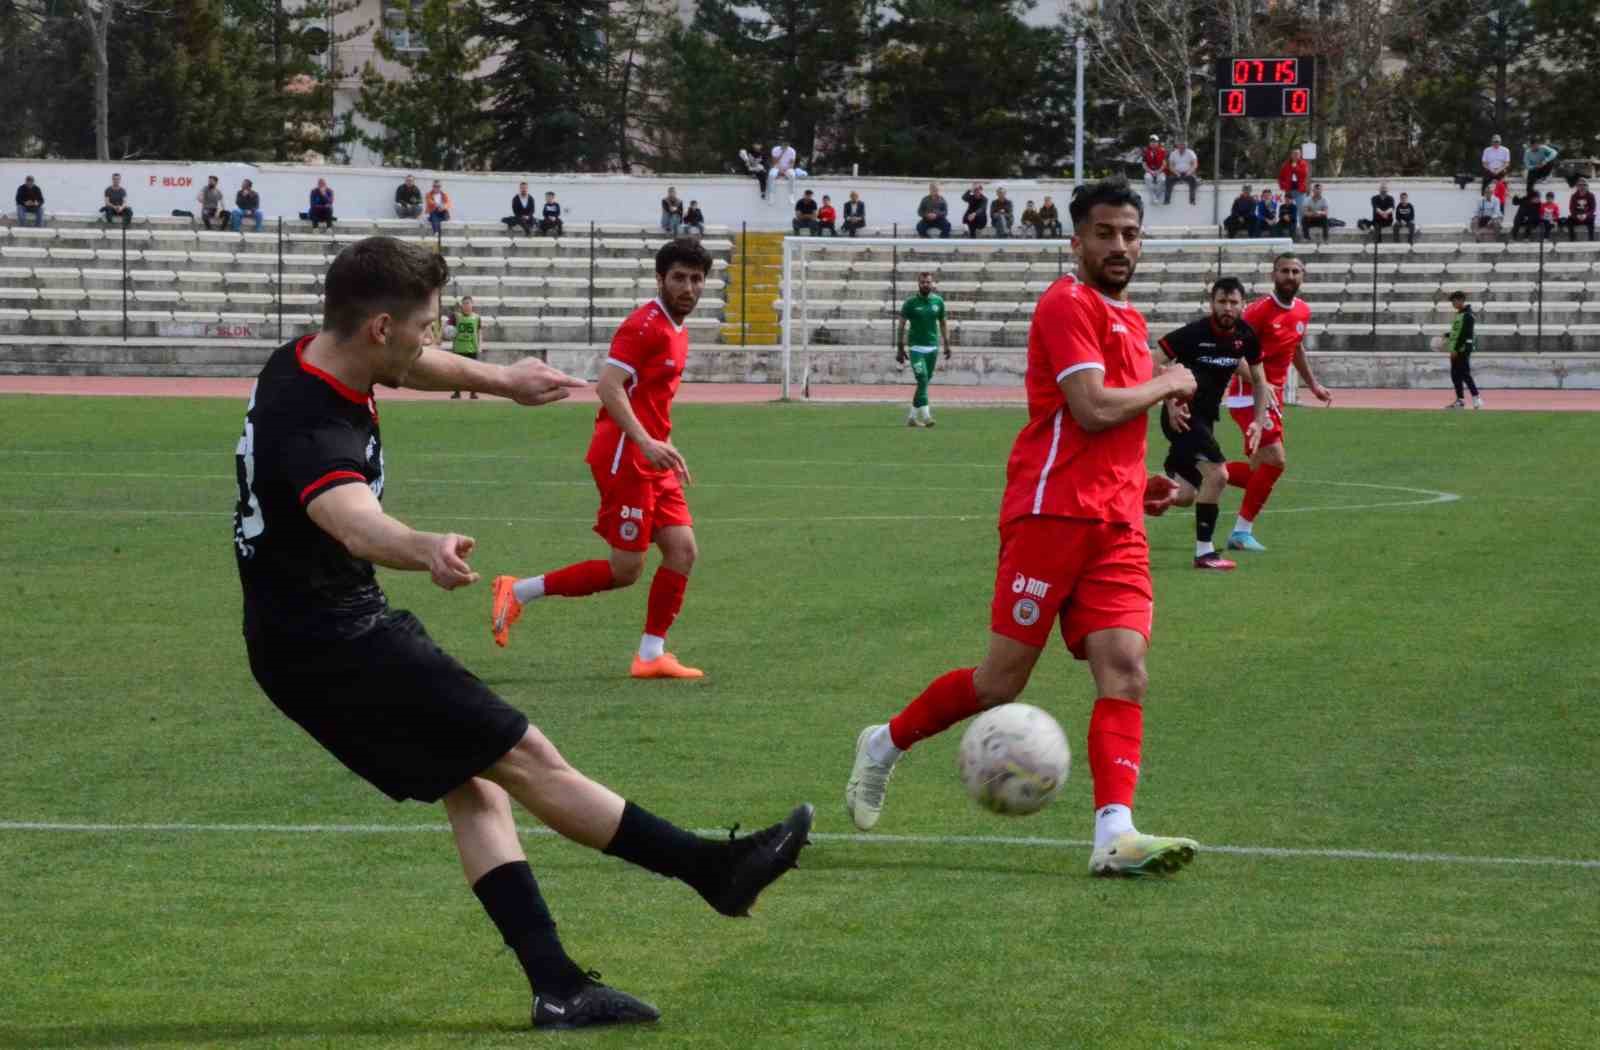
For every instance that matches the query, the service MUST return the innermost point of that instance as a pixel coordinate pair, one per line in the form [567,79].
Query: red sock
[947,700]
[1116,730]
[575,581]
[666,598]
[1238,474]
[1255,494]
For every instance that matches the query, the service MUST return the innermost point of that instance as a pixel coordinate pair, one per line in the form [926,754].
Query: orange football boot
[505,610]
[664,666]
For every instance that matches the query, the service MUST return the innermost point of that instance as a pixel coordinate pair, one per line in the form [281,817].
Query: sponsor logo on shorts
[1025,612]
[629,531]
[1028,585]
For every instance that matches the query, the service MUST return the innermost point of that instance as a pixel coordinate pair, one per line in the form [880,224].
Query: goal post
[844,293]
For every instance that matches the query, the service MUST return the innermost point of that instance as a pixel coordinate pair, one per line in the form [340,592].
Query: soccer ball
[449,332]
[1014,759]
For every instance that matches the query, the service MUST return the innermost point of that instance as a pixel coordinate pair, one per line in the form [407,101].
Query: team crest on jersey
[628,530]
[1025,612]
[1299,328]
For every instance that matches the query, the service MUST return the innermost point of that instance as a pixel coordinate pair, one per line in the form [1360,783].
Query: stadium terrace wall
[158,188]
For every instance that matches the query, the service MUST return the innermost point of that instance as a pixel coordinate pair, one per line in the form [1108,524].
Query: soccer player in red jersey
[639,473]
[1279,321]
[1072,539]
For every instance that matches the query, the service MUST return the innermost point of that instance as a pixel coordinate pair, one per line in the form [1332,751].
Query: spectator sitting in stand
[1580,211]
[1382,210]
[855,213]
[1030,221]
[1000,216]
[550,221]
[1182,166]
[1496,161]
[1049,219]
[522,211]
[755,167]
[30,200]
[1405,214]
[783,167]
[1526,220]
[1266,213]
[1242,215]
[805,214]
[1488,216]
[408,199]
[694,221]
[977,214]
[116,202]
[1315,214]
[1154,159]
[438,206]
[246,205]
[827,217]
[211,204]
[1288,222]
[671,212]
[1549,216]
[321,204]
[932,213]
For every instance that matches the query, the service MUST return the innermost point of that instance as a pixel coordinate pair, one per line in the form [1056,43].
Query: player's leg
[951,698]
[728,873]
[1238,470]
[622,521]
[1267,464]
[1213,479]
[1466,378]
[1108,624]
[921,372]
[1033,578]
[931,365]
[678,554]
[1456,381]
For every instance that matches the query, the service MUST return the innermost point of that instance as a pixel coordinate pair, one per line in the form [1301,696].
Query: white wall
[156,188]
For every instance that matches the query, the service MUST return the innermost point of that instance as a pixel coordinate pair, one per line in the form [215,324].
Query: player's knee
[996,686]
[533,757]
[626,568]
[680,553]
[1127,676]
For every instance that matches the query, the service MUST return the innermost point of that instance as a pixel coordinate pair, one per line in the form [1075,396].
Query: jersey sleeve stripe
[1065,372]
[328,480]
[622,365]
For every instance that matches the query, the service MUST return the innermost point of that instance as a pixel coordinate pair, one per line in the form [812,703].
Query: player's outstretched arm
[352,515]
[1095,406]
[944,337]
[528,382]
[1302,364]
[1262,395]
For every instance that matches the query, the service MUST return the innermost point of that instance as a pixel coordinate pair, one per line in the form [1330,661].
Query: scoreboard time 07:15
[1265,87]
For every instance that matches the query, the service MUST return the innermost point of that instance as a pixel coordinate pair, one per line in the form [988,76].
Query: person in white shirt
[783,167]
[1181,167]
[1496,161]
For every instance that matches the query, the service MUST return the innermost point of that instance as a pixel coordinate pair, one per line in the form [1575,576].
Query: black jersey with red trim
[304,434]
[1213,356]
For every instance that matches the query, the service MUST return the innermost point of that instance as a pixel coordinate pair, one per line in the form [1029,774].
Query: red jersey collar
[676,327]
[339,388]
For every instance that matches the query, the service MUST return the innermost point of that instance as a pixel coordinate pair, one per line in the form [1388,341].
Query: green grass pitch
[1399,674]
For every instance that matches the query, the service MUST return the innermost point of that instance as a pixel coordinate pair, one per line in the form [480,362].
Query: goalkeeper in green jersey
[923,315]
[464,330]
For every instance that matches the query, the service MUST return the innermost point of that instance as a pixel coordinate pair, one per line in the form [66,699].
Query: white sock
[913,413]
[1204,547]
[526,590]
[651,646]
[1241,525]
[880,747]
[927,413]
[1109,822]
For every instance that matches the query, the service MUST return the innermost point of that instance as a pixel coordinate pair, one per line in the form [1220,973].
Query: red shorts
[1094,575]
[633,507]
[1246,415]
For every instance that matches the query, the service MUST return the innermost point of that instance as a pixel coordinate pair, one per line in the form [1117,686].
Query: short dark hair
[1115,191]
[1226,285]
[683,251]
[1287,255]
[1457,295]
[379,275]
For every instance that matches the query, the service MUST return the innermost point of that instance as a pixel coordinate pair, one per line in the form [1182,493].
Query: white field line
[1021,841]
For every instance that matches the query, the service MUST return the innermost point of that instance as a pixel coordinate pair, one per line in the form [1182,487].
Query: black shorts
[391,705]
[1189,447]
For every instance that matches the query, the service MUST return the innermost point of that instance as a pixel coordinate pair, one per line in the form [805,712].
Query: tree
[435,116]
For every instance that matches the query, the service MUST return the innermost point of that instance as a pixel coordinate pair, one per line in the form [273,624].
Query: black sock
[511,897]
[662,847]
[1205,521]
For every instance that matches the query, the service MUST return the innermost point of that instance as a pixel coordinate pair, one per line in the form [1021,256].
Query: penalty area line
[1020,841]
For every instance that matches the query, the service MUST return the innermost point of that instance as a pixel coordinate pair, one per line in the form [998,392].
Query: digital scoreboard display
[1265,87]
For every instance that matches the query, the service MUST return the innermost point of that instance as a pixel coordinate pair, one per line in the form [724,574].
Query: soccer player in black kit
[366,681]
[1213,348]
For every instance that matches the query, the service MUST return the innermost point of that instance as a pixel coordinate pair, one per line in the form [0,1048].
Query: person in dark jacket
[550,217]
[976,218]
[855,215]
[247,202]
[321,204]
[1242,217]
[408,199]
[30,201]
[1461,343]
[522,209]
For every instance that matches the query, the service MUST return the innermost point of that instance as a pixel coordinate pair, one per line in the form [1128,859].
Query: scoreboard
[1265,87]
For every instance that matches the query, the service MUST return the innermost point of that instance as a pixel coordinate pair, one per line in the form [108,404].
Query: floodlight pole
[1077,119]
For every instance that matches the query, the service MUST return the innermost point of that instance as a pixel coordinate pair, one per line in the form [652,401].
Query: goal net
[841,298]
